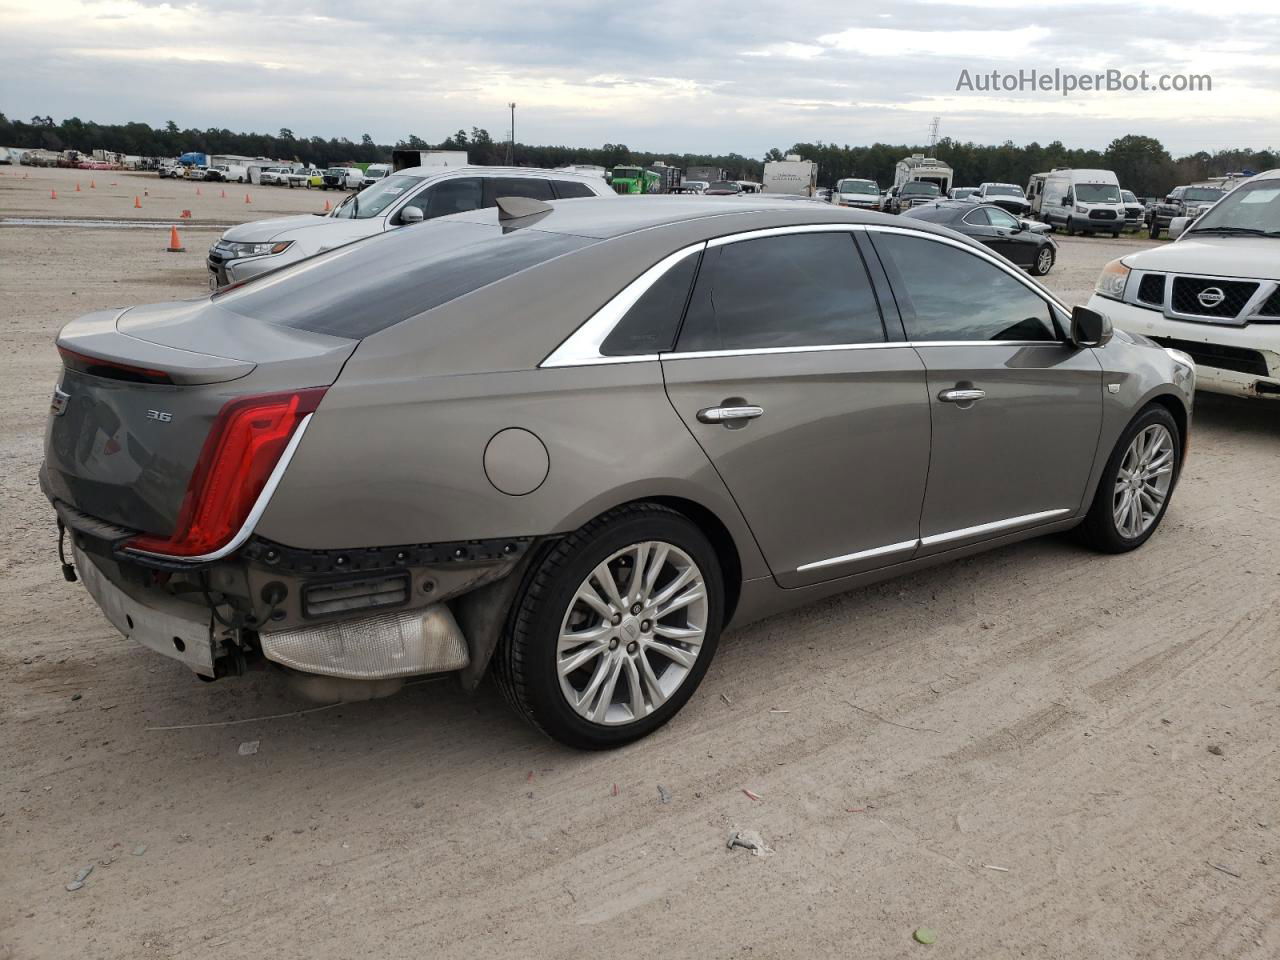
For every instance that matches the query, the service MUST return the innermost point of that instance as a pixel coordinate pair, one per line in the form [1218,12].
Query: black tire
[1099,528]
[525,662]
[1154,231]
[1038,267]
[1115,234]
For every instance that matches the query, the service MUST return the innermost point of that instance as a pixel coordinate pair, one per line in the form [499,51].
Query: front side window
[998,218]
[920,188]
[451,196]
[373,201]
[946,293]
[795,290]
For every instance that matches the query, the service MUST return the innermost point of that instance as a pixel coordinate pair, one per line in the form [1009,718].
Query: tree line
[1142,163]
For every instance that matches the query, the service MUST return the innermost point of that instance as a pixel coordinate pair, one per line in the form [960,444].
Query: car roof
[427,173]
[604,218]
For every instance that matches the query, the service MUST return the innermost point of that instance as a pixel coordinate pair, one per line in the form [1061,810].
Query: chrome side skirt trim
[902,547]
[259,507]
[983,528]
[993,527]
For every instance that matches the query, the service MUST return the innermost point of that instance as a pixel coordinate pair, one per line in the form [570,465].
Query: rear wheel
[1136,484]
[615,628]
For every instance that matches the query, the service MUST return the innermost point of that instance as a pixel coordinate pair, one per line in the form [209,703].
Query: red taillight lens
[97,367]
[242,449]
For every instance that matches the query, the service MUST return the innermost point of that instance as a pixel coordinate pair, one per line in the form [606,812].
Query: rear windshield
[367,286]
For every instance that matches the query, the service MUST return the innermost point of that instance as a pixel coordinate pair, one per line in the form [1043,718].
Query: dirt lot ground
[1013,750]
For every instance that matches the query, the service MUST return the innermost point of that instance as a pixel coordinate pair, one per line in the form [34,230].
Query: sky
[706,77]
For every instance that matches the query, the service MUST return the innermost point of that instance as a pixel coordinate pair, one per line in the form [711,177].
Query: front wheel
[615,628]
[1136,484]
[1043,262]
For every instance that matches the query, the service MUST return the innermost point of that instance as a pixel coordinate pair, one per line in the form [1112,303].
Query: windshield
[1252,208]
[918,188]
[629,173]
[375,174]
[373,201]
[858,186]
[1001,190]
[1202,193]
[1128,197]
[1097,193]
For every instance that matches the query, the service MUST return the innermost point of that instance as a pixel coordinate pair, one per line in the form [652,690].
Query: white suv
[1214,293]
[406,197]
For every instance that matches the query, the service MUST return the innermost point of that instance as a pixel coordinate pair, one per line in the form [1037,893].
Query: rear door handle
[961,395]
[729,415]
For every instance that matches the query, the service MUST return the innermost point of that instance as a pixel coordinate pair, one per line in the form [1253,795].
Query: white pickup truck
[1214,293]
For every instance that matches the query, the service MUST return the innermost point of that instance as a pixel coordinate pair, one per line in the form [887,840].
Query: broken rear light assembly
[242,459]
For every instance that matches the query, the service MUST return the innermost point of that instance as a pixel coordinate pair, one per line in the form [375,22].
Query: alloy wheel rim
[1046,261]
[1143,481]
[632,633]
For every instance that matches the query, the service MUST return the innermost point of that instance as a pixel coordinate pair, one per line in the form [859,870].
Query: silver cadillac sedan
[575,441]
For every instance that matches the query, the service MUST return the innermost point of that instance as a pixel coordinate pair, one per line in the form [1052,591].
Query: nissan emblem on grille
[1211,296]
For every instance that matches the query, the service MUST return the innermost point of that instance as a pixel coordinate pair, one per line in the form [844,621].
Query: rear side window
[452,196]
[650,326]
[795,290]
[977,218]
[369,285]
[945,293]
[571,189]
[531,187]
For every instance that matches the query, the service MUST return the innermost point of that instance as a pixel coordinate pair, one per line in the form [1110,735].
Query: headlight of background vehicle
[1080,209]
[1112,280]
[235,250]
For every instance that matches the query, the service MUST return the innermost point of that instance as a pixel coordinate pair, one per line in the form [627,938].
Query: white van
[1083,200]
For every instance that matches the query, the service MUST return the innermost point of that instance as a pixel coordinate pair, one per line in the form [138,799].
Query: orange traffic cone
[246,199]
[77,188]
[53,194]
[92,185]
[137,203]
[224,195]
[327,206]
[175,245]
[197,191]
[186,215]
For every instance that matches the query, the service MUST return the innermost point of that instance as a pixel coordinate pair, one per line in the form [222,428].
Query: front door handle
[730,416]
[962,395]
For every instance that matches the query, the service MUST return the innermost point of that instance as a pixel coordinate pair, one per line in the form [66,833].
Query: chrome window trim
[995,526]
[255,514]
[891,548]
[582,347]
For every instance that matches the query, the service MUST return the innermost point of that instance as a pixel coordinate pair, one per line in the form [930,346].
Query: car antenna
[515,208]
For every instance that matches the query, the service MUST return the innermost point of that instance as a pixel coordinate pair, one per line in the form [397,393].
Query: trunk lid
[140,390]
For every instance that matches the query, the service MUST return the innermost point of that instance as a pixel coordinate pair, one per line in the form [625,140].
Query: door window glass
[451,196]
[650,325]
[531,187]
[804,289]
[948,294]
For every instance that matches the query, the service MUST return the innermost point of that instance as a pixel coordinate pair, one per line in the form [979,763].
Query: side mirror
[1066,201]
[412,215]
[1178,226]
[1089,328]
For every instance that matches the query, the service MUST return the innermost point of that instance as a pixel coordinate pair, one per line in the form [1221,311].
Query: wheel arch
[1178,410]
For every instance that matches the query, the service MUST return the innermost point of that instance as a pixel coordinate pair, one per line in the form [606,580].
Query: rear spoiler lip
[97,337]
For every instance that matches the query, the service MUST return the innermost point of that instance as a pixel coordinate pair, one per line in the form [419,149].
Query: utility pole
[511,144]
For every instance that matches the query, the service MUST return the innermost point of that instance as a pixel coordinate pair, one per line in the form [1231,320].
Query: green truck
[627,180]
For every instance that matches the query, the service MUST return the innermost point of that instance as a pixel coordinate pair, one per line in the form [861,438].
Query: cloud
[716,76]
